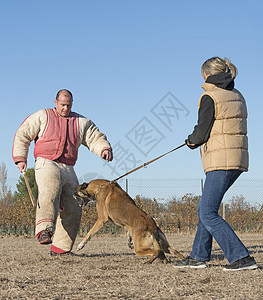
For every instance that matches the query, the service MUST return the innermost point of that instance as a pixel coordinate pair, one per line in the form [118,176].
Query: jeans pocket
[40,163]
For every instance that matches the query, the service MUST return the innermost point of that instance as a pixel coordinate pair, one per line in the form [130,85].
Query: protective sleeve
[26,133]
[91,137]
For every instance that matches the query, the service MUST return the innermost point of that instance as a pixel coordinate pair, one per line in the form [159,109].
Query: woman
[222,132]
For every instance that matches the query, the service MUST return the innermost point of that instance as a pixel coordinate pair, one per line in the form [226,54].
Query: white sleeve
[30,129]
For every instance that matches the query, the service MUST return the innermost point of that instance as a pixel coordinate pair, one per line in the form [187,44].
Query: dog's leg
[130,242]
[154,253]
[142,242]
[97,226]
[102,218]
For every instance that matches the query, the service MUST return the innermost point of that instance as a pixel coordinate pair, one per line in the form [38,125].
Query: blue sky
[124,62]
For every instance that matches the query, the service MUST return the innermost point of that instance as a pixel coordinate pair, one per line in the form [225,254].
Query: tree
[22,192]
[184,211]
[241,213]
[5,191]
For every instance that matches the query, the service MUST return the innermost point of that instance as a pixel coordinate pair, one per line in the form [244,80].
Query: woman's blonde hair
[216,65]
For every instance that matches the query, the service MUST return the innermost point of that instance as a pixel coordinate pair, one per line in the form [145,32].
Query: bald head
[65,92]
[63,102]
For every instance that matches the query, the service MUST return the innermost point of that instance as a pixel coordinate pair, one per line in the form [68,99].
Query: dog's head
[87,192]
[81,195]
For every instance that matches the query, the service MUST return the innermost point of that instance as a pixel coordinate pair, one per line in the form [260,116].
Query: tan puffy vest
[227,146]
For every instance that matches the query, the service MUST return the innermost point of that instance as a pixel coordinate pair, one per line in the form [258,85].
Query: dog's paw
[80,246]
[130,245]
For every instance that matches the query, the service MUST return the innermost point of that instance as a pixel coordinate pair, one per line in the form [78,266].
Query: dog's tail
[176,253]
[165,245]
[163,241]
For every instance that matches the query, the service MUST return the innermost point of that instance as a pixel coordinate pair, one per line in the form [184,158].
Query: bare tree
[5,191]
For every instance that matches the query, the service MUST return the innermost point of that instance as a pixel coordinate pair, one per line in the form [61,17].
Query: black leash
[149,162]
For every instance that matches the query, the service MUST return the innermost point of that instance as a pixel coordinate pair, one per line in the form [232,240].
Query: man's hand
[22,166]
[107,155]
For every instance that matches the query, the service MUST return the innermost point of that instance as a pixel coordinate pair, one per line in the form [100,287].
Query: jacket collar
[207,86]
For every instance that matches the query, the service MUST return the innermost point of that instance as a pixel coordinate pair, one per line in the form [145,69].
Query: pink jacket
[57,138]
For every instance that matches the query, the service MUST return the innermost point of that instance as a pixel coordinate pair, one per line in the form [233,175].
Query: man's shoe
[246,263]
[44,237]
[189,262]
[68,253]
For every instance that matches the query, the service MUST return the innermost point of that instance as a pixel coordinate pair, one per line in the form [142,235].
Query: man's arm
[26,133]
[96,141]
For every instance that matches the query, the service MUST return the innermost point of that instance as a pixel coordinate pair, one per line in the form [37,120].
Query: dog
[114,204]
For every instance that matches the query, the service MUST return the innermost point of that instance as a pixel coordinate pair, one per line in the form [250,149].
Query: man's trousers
[57,209]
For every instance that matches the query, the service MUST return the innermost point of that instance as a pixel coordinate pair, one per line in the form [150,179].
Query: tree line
[174,215]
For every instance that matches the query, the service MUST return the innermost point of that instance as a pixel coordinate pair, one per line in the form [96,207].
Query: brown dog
[113,203]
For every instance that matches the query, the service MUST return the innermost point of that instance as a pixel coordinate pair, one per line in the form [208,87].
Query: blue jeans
[211,224]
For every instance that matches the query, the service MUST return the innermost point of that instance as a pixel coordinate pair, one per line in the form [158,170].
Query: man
[57,133]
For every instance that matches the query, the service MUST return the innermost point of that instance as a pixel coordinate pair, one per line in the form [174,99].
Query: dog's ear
[83,186]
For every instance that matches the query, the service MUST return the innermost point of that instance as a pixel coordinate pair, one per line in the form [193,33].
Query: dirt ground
[107,269]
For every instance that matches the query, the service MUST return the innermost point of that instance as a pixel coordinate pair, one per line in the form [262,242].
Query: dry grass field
[107,269]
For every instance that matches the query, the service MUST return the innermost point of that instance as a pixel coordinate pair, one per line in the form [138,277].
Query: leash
[149,162]
[29,190]
[32,201]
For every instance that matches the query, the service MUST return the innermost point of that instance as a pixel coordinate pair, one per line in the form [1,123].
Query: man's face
[64,104]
